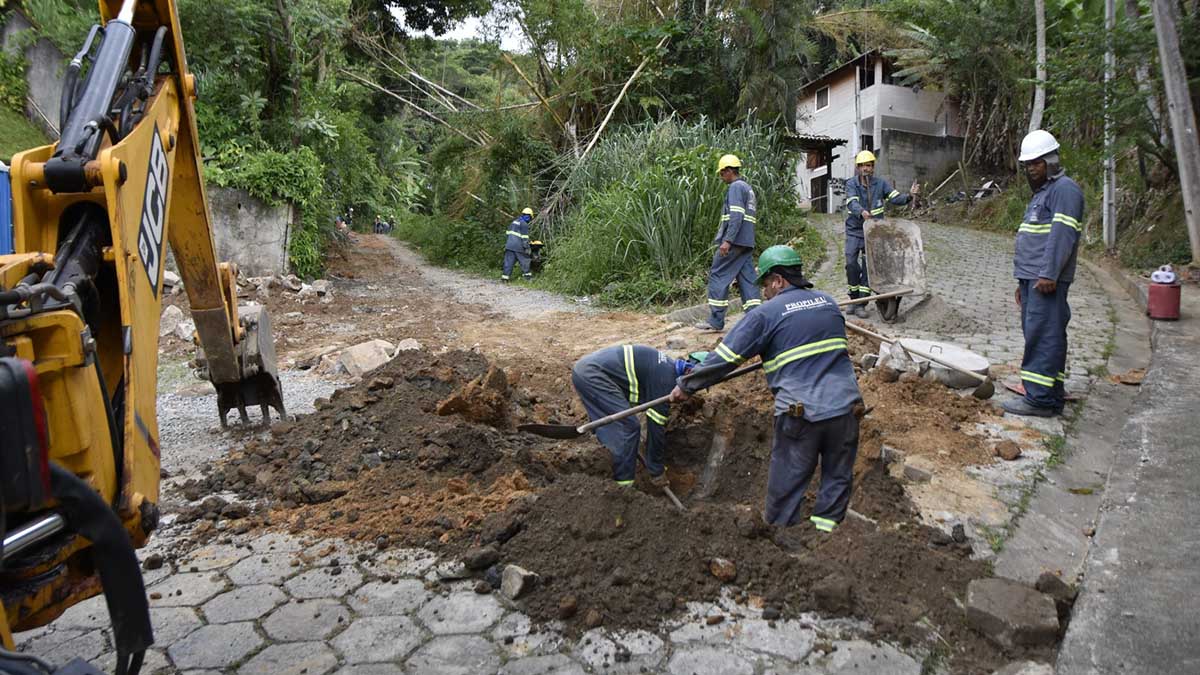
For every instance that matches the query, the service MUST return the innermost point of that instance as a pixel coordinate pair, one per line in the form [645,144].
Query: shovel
[566,431]
[984,391]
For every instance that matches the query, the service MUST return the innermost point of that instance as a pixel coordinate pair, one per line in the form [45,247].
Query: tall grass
[643,209]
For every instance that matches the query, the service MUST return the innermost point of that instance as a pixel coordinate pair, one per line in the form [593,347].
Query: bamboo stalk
[400,98]
[536,92]
[620,96]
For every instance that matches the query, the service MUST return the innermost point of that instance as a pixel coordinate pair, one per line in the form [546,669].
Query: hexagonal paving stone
[516,635]
[307,620]
[154,664]
[454,655]
[276,542]
[61,646]
[706,660]
[172,624]
[215,557]
[344,551]
[319,583]
[218,646]
[598,648]
[404,562]
[87,615]
[272,568]
[550,664]
[242,604]
[460,613]
[378,638]
[372,669]
[179,590]
[300,658]
[390,598]
[860,656]
[789,639]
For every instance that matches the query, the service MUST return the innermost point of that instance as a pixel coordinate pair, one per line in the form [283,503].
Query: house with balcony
[914,132]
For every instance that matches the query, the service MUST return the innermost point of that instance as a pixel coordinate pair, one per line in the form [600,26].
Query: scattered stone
[516,581]
[676,342]
[1008,450]
[909,377]
[567,607]
[891,455]
[593,618]
[771,613]
[723,569]
[482,587]
[408,345]
[153,561]
[1089,531]
[834,594]
[918,469]
[499,527]
[365,357]
[1011,614]
[292,283]
[477,559]
[171,279]
[887,374]
[171,318]
[321,286]
[714,619]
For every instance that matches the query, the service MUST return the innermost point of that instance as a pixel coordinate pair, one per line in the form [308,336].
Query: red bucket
[1163,302]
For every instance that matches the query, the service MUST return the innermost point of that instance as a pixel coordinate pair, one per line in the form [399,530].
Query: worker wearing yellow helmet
[734,257]
[516,246]
[866,197]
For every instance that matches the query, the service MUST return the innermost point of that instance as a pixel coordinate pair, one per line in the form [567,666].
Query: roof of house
[810,142]
[836,69]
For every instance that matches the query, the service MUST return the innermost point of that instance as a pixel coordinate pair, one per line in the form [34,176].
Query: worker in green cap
[800,335]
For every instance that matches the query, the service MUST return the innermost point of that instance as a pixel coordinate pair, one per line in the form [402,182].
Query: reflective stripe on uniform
[504,277]
[751,219]
[656,416]
[728,354]
[624,483]
[1035,228]
[517,234]
[631,373]
[823,524]
[1062,377]
[852,199]
[894,194]
[724,216]
[738,209]
[804,351]
[877,211]
[1066,220]
[1044,380]
[718,303]
[755,302]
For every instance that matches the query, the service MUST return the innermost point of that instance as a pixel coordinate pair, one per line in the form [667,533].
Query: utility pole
[1110,162]
[1183,118]
[1039,89]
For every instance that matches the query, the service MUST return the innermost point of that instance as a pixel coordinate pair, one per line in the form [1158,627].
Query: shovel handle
[922,355]
[881,296]
[658,401]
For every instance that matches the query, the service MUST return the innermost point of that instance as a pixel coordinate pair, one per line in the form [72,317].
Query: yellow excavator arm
[80,300]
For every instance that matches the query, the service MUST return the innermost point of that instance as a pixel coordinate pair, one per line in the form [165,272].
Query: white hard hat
[1036,144]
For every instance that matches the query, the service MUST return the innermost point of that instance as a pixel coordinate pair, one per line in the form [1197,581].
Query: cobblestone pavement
[275,604]
[970,272]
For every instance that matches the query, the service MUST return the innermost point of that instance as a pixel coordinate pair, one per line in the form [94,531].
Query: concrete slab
[185,590]
[460,613]
[216,646]
[273,568]
[378,638]
[399,596]
[454,655]
[322,582]
[242,604]
[306,620]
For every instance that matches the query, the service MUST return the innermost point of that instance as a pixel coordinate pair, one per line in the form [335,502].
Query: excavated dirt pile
[379,463]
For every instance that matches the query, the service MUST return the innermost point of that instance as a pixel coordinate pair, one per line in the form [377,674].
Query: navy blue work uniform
[516,247]
[1047,246]
[801,337]
[873,199]
[739,217]
[617,378]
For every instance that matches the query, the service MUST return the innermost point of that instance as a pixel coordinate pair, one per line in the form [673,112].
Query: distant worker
[516,247]
[866,197]
[340,223]
[800,336]
[1044,265]
[735,251]
[379,224]
[617,378]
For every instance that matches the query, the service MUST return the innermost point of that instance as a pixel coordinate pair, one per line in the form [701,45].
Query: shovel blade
[562,431]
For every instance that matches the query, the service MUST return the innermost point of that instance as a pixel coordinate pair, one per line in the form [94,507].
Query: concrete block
[1011,614]
[918,469]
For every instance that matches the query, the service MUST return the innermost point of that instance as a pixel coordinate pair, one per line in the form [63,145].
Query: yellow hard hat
[727,161]
[864,157]
[528,211]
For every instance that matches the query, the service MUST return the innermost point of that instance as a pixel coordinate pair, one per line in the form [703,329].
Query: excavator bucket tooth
[260,377]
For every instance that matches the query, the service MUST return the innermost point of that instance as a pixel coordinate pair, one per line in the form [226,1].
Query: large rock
[171,317]
[321,286]
[1011,614]
[171,279]
[365,357]
[517,581]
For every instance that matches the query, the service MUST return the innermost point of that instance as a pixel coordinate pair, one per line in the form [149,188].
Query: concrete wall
[250,232]
[44,75]
[906,157]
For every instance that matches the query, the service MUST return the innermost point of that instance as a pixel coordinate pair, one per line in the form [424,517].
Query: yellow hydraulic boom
[79,306]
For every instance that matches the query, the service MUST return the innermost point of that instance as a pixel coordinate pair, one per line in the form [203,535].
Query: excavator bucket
[260,378]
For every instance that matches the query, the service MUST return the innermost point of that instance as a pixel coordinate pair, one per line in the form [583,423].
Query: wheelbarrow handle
[921,355]
[643,407]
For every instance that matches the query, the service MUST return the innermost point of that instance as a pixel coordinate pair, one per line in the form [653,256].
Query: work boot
[1022,406]
[661,480]
[504,279]
[527,277]
[706,326]
[860,311]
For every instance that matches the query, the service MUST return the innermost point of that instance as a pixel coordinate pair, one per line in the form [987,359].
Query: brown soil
[378,463]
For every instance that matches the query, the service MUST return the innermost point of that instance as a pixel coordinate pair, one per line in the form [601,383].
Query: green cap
[779,255]
[697,357]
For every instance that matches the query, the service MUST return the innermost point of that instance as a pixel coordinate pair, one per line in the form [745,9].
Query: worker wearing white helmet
[1044,265]
[516,246]
[735,247]
[866,197]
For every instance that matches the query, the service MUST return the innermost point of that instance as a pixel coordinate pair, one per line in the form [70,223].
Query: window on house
[867,142]
[888,70]
[822,98]
[866,75]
